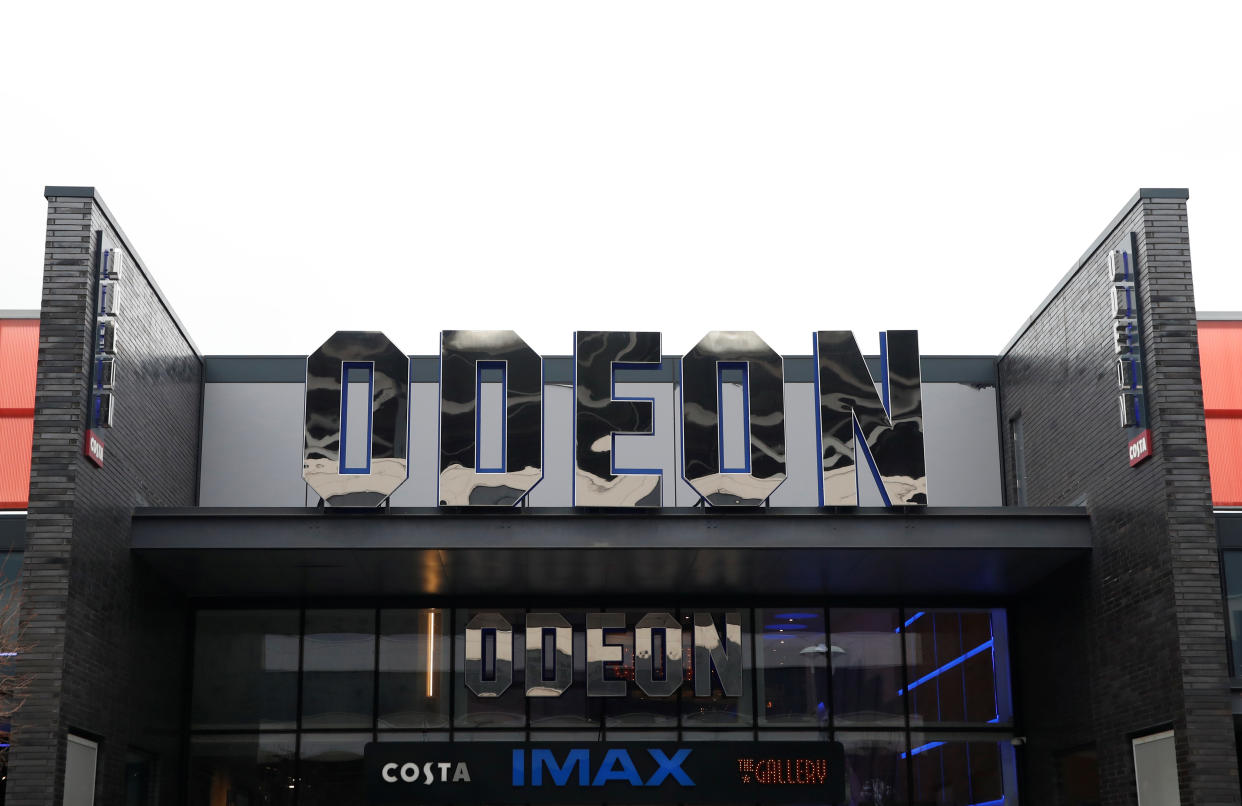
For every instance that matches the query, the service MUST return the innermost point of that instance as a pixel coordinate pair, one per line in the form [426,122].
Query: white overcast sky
[290,169]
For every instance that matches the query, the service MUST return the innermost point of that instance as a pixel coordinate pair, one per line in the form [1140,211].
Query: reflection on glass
[255,769]
[509,709]
[413,669]
[637,708]
[875,768]
[952,657]
[961,770]
[245,669]
[716,708]
[793,666]
[1233,602]
[572,708]
[330,769]
[338,663]
[866,666]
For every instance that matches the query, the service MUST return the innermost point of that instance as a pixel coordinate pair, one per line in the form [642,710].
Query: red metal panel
[15,441]
[19,354]
[1224,436]
[1220,362]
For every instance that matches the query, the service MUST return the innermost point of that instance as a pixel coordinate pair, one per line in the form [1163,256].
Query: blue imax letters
[615,765]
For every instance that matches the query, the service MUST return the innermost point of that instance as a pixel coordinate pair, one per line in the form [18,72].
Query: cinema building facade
[622,576]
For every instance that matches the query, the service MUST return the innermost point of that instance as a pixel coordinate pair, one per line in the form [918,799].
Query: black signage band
[611,772]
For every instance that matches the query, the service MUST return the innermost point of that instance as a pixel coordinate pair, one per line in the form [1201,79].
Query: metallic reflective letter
[380,465]
[598,653]
[538,684]
[891,431]
[464,356]
[599,416]
[708,652]
[644,660]
[502,673]
[703,463]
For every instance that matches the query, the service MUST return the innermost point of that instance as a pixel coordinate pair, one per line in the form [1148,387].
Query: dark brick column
[108,639]
[1148,616]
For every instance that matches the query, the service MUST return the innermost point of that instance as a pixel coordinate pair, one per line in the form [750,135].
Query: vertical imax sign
[730,399]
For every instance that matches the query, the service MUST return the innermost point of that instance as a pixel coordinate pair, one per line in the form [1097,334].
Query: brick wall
[1152,623]
[109,653]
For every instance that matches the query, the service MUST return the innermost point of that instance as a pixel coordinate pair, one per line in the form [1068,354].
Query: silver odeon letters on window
[360,460]
[656,650]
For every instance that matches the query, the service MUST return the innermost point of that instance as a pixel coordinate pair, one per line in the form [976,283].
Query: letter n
[854,420]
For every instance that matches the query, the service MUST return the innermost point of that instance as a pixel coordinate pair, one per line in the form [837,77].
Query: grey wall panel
[558,447]
[252,438]
[252,441]
[801,487]
[961,441]
[419,489]
[683,494]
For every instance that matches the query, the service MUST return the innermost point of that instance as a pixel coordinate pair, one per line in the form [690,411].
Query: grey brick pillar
[108,640]
[1151,622]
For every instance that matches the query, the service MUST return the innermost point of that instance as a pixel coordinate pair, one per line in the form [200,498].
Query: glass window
[509,709]
[245,669]
[636,709]
[793,666]
[413,669]
[255,769]
[1233,606]
[338,663]
[875,768]
[957,667]
[866,666]
[573,707]
[330,772]
[716,709]
[957,770]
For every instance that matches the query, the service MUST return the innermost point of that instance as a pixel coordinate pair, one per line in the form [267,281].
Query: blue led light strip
[923,748]
[910,621]
[986,645]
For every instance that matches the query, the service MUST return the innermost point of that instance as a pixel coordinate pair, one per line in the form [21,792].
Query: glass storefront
[284,699]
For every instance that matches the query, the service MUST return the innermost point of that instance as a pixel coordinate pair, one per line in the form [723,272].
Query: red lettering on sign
[783,770]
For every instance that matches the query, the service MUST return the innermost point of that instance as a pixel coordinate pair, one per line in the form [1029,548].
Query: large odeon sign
[363,464]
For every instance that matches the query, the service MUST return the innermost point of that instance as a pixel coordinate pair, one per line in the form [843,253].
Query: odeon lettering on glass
[357,419]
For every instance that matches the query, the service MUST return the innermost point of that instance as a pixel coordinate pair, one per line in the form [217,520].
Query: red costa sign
[1140,447]
[93,448]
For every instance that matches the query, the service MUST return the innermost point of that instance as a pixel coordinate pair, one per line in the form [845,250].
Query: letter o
[409,772]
